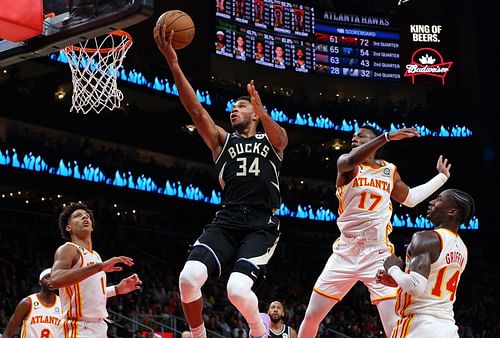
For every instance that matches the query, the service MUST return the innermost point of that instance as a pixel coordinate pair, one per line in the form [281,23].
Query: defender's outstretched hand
[129,284]
[111,264]
[443,166]
[402,134]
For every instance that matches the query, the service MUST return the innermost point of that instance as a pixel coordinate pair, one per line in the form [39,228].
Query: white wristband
[111,291]
[386,135]
[413,283]
[421,192]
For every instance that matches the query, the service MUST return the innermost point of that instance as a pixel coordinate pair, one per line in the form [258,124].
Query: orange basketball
[181,24]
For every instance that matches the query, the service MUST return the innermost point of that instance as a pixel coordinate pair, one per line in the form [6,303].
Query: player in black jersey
[244,232]
[279,329]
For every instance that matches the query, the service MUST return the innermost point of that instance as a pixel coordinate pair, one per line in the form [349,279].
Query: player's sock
[199,332]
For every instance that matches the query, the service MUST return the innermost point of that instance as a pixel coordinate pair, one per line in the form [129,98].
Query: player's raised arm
[347,163]
[277,134]
[67,256]
[410,197]
[213,135]
[356,156]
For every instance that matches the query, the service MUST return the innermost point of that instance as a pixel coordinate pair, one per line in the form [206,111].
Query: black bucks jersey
[286,332]
[249,171]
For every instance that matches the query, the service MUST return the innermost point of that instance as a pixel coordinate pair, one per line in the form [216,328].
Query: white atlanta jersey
[85,300]
[42,321]
[365,206]
[442,283]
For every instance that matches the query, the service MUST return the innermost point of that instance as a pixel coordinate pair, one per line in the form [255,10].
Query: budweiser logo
[427,61]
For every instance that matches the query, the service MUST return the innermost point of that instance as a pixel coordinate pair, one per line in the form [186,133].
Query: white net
[95,66]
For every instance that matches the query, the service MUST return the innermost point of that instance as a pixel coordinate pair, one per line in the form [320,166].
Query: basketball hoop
[95,65]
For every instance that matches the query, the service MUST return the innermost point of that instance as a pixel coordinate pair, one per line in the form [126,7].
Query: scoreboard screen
[299,38]
[357,52]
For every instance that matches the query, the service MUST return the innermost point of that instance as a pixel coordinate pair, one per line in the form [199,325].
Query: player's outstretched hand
[443,166]
[383,277]
[163,40]
[129,284]
[255,99]
[402,134]
[111,264]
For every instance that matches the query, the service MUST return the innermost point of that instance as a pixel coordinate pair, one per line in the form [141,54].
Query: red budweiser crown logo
[427,61]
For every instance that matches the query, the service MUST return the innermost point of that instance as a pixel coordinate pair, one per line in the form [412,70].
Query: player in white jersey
[80,275]
[435,260]
[365,186]
[39,314]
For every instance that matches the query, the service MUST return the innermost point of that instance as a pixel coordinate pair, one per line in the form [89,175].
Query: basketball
[181,24]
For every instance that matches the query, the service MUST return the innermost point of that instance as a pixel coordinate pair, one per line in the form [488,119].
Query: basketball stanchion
[95,66]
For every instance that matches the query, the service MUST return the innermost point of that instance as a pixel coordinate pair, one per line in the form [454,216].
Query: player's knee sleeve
[239,288]
[206,256]
[254,272]
[191,279]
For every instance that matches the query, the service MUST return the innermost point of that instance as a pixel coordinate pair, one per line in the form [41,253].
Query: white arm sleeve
[413,283]
[110,291]
[421,192]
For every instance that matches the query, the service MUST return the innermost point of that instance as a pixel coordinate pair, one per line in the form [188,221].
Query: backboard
[57,35]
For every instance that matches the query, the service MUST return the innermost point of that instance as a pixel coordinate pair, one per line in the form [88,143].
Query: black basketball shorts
[240,239]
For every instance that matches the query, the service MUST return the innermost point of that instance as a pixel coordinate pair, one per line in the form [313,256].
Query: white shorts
[82,329]
[424,326]
[353,261]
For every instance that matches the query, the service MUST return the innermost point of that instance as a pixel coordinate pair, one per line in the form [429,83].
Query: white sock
[199,332]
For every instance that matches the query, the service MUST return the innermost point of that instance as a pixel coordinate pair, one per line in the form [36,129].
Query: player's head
[240,41]
[299,17]
[278,14]
[44,280]
[240,7]
[451,207]
[258,7]
[299,52]
[279,51]
[243,115]
[364,134]
[259,47]
[76,218]
[276,311]
[220,36]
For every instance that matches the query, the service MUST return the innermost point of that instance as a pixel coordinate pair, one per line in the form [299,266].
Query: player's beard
[241,126]
[276,319]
